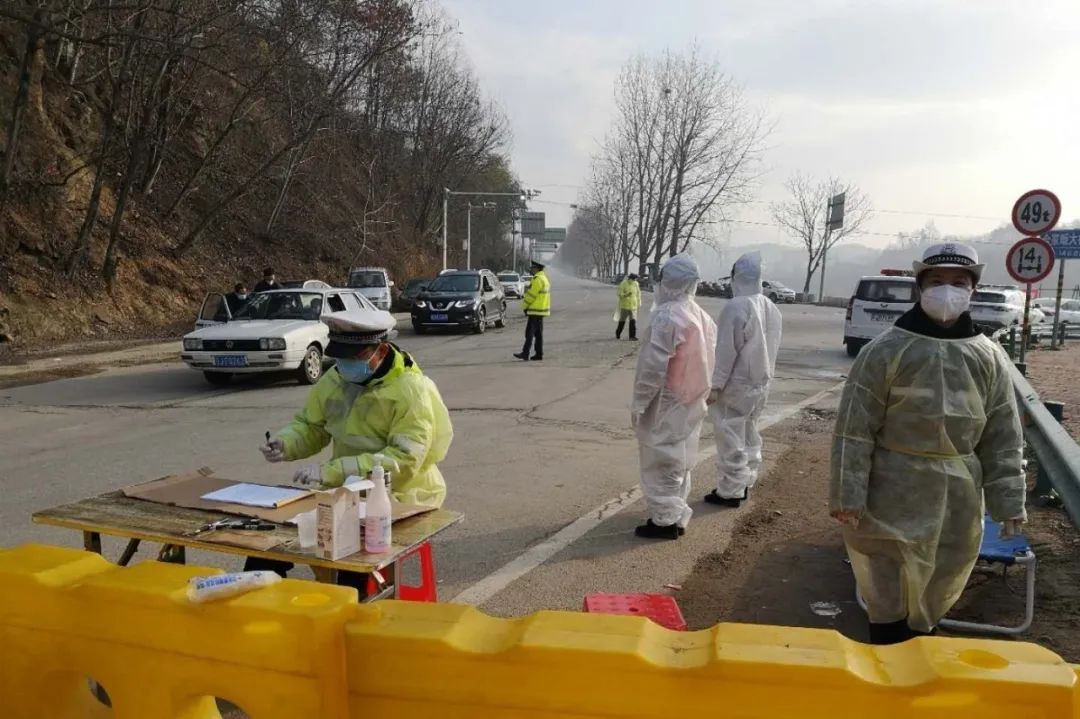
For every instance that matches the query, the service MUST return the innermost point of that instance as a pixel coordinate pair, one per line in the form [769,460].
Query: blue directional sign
[1066,243]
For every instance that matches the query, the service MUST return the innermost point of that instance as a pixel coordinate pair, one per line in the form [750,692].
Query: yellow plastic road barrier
[305,650]
[68,616]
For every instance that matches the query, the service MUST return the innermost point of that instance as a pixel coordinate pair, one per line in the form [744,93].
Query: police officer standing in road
[537,306]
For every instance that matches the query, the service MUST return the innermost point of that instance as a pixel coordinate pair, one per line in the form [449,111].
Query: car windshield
[367,278]
[282,306]
[996,298]
[455,283]
[886,291]
[415,284]
[509,277]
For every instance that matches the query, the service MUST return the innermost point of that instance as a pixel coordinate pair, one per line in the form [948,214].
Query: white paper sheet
[256,495]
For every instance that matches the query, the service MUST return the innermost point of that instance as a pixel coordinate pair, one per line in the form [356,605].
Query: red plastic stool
[660,608]
[426,591]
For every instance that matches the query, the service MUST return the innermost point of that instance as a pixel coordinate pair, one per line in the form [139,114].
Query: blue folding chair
[997,550]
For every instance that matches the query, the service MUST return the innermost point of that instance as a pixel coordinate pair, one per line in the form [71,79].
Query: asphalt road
[544,464]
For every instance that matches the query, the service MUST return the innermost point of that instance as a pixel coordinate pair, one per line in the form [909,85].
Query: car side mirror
[390,283]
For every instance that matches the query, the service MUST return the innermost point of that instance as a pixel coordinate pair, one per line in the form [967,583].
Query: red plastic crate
[660,608]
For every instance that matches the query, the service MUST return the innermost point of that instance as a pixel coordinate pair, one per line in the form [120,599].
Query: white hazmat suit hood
[670,386]
[748,341]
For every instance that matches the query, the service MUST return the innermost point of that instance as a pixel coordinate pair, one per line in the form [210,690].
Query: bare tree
[35,31]
[684,149]
[353,37]
[803,216]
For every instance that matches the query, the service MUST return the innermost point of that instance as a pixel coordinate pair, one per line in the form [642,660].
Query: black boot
[891,633]
[619,329]
[714,498]
[521,355]
[655,531]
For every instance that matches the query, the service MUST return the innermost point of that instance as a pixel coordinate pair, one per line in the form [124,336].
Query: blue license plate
[440,317]
[230,361]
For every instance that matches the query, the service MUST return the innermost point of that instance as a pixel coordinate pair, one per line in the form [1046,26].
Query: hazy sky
[942,106]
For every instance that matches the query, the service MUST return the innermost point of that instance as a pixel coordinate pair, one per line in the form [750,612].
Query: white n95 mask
[945,303]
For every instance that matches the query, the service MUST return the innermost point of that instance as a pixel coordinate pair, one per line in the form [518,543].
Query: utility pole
[513,237]
[445,202]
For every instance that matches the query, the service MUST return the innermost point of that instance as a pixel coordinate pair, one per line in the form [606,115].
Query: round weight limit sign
[1036,212]
[1030,260]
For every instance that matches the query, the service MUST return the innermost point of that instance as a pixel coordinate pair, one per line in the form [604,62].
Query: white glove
[310,475]
[273,451]
[1011,528]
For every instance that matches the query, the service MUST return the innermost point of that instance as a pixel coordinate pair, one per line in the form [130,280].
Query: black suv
[460,298]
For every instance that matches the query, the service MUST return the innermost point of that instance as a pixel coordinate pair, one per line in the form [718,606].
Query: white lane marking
[537,554]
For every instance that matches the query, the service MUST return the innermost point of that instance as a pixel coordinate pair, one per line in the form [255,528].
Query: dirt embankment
[787,566]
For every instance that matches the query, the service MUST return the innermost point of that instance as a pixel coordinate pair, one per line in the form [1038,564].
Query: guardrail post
[1042,481]
[1012,343]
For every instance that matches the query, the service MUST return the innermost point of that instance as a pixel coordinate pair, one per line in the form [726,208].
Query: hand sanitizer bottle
[377,521]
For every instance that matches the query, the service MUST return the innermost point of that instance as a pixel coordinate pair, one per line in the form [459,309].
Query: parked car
[777,292]
[1070,310]
[276,331]
[878,302]
[527,279]
[470,299]
[512,284]
[411,291]
[373,283]
[995,309]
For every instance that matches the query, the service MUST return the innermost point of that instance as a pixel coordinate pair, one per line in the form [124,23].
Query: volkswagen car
[275,331]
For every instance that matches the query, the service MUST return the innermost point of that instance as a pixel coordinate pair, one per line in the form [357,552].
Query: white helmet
[950,254]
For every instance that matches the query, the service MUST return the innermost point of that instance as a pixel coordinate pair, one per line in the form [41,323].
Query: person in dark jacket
[268,282]
[237,298]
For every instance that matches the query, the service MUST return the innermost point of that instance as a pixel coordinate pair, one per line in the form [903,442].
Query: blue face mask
[354,370]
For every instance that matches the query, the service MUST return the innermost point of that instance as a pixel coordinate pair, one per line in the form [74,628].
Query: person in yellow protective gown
[927,435]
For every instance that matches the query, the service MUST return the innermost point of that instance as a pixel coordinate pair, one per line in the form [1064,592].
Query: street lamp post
[468,230]
[523,196]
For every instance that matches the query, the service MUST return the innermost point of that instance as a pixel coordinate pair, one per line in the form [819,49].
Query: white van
[879,300]
[373,283]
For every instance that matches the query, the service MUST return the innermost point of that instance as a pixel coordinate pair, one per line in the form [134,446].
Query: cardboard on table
[187,489]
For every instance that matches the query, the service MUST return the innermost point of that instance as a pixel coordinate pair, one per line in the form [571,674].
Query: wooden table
[137,520]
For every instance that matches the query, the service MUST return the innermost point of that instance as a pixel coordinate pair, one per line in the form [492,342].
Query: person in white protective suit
[670,386]
[748,339]
[927,433]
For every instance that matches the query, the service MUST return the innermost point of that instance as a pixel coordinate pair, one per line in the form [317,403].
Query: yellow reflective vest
[537,300]
[629,295]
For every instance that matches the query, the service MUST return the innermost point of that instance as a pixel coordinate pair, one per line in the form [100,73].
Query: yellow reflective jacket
[400,415]
[537,300]
[629,295]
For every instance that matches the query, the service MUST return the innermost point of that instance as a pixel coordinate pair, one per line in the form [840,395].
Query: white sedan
[512,283]
[276,331]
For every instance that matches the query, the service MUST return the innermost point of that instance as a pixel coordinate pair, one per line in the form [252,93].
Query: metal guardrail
[1057,452]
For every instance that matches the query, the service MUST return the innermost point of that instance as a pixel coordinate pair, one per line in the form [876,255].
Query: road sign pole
[1055,343]
[1025,337]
